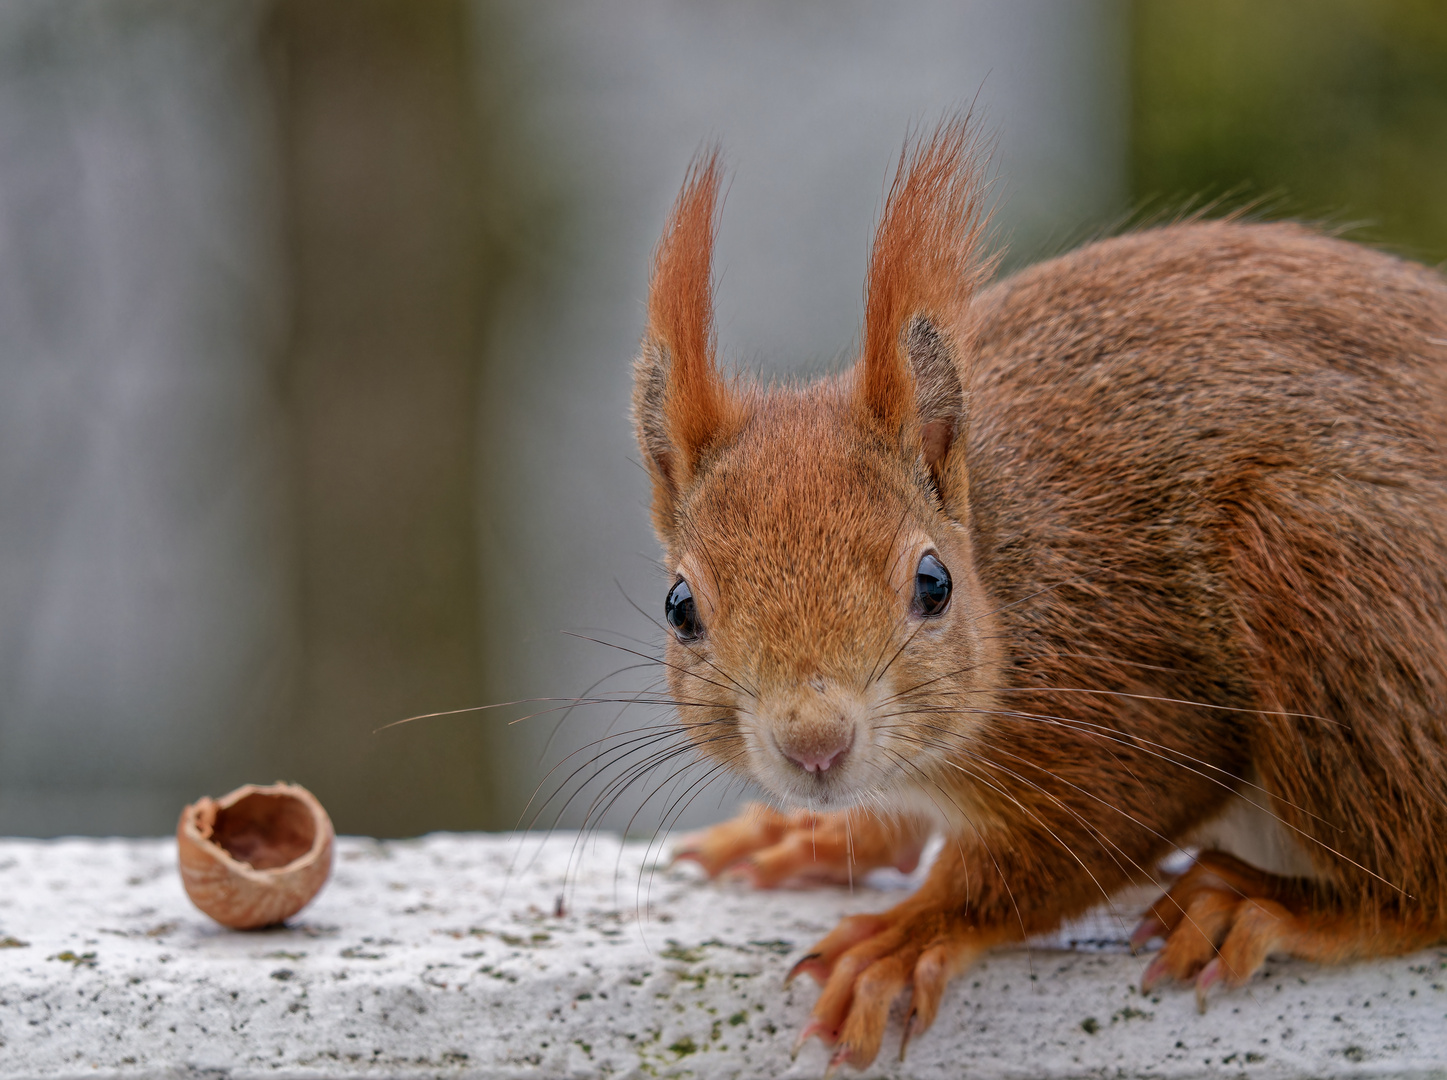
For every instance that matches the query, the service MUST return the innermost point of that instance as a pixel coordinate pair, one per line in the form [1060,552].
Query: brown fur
[1197,525]
[682,404]
[923,273]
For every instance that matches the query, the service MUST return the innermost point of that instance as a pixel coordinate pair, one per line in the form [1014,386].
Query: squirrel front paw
[869,960]
[771,849]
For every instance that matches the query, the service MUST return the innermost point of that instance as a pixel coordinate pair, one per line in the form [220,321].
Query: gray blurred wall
[157,618]
[144,612]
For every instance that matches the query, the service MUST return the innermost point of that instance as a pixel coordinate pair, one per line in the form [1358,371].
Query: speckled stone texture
[452,956]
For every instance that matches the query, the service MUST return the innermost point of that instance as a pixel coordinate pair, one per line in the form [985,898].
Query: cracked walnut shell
[256,856]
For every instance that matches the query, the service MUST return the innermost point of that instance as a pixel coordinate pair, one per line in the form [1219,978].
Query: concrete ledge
[429,958]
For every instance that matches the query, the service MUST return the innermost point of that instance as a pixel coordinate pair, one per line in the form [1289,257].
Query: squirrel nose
[819,754]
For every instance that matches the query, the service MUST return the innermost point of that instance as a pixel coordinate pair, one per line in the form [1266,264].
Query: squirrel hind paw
[1223,919]
[1225,938]
[1220,922]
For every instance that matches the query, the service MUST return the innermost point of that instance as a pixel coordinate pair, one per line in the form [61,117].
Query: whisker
[1110,660]
[1134,740]
[889,635]
[567,703]
[1076,725]
[655,732]
[663,728]
[985,761]
[651,688]
[621,750]
[928,682]
[900,650]
[1139,742]
[1167,700]
[1097,833]
[1041,592]
[979,835]
[660,700]
[667,818]
[548,746]
[753,693]
[654,659]
[620,786]
[617,786]
[468,709]
[1038,821]
[670,814]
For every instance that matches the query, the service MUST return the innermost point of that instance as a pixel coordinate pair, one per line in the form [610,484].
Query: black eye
[931,587]
[681,612]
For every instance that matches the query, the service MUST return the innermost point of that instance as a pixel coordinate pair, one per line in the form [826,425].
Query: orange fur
[1197,530]
[926,261]
[677,366]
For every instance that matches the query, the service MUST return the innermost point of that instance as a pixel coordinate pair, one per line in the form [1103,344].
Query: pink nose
[816,762]
[816,756]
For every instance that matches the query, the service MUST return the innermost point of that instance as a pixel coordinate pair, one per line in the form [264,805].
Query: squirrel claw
[684,851]
[1155,973]
[1210,975]
[908,1030]
[810,1030]
[841,1056]
[1150,927]
[744,872]
[802,966]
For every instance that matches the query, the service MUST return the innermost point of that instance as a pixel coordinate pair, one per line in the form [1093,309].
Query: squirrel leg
[770,848]
[1223,918]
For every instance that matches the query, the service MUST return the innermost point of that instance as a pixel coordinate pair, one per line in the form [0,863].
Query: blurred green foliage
[1333,109]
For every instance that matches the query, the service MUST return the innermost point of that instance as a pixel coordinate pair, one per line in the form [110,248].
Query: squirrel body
[1241,460]
[1078,566]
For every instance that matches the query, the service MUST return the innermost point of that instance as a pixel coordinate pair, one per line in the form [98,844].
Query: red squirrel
[1071,567]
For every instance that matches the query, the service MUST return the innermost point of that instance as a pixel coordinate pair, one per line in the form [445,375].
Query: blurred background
[316,319]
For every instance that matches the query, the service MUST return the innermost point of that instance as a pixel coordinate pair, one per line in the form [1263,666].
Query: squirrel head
[828,635]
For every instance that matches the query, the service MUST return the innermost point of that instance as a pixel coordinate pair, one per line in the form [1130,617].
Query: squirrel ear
[923,272]
[681,405]
[939,398]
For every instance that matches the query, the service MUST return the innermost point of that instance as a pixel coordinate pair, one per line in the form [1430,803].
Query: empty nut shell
[256,856]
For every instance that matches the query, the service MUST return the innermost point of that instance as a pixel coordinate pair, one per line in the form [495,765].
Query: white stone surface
[448,956]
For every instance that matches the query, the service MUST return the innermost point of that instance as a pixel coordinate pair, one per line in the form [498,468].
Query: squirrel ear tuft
[924,269]
[681,405]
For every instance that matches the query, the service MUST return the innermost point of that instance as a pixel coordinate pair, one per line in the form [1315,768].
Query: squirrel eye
[681,612]
[931,587]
